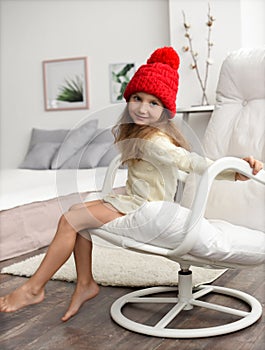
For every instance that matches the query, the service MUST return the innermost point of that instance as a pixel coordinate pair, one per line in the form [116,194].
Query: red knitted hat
[159,77]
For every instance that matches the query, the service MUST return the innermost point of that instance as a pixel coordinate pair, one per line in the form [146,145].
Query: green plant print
[72,91]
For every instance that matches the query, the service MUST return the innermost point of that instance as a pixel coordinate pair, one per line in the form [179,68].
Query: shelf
[186,111]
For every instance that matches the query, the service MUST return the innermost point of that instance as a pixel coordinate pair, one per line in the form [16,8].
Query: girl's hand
[255,164]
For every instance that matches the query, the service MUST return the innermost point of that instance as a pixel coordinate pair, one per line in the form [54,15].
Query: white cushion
[237,128]
[230,243]
[240,202]
[237,125]
[161,224]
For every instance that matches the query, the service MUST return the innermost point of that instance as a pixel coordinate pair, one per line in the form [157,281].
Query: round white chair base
[186,301]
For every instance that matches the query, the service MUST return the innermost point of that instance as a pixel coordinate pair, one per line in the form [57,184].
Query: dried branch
[194,55]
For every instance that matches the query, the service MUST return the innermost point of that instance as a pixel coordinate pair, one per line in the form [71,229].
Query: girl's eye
[136,98]
[154,103]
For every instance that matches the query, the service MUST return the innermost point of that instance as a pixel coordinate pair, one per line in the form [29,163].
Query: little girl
[153,149]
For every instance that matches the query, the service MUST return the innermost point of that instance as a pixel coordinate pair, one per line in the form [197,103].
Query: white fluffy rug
[114,266]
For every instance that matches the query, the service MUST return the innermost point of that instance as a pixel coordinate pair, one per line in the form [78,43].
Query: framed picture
[65,84]
[120,75]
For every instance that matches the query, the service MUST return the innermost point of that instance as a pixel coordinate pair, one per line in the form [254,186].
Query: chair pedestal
[186,300]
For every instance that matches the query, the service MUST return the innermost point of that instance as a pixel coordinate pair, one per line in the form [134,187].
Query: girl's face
[144,109]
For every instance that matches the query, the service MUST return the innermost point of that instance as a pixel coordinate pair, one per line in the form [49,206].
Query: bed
[61,168]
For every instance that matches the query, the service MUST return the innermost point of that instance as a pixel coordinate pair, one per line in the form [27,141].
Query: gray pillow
[87,157]
[111,153]
[74,141]
[40,156]
[103,135]
[42,135]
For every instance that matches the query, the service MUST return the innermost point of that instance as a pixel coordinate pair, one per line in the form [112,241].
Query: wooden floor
[39,327]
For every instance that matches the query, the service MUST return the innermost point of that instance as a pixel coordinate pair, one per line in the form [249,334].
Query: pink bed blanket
[32,226]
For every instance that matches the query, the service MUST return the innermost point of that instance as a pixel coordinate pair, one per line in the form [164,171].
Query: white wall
[253,23]
[226,36]
[106,31]
[239,23]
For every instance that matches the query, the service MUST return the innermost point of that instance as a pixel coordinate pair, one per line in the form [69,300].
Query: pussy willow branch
[209,47]
[194,55]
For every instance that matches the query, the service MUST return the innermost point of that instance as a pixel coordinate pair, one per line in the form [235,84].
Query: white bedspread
[21,186]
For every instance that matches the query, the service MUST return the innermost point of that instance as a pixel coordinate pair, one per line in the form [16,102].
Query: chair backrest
[237,125]
[237,128]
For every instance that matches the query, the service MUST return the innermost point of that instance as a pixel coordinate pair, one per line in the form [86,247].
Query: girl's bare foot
[81,294]
[21,297]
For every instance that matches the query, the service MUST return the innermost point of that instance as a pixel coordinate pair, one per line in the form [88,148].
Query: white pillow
[236,128]
[238,202]
[241,203]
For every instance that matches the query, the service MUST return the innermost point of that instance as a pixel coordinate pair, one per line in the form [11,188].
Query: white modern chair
[181,254]
[232,246]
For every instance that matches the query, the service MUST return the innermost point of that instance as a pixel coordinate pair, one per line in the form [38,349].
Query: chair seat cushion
[161,224]
[230,243]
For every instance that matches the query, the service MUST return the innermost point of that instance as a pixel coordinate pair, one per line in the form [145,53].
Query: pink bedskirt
[32,226]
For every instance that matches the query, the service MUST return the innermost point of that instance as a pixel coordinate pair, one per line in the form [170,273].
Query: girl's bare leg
[32,291]
[59,251]
[86,286]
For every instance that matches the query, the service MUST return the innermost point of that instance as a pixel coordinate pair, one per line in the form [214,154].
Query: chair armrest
[200,201]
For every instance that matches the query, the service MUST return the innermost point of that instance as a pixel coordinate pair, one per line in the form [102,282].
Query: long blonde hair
[129,136]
